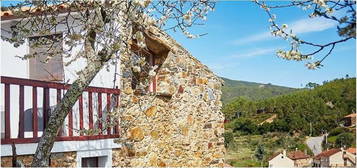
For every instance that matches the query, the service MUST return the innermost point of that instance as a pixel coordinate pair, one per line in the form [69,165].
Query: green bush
[228,138]
[245,126]
[337,131]
[345,140]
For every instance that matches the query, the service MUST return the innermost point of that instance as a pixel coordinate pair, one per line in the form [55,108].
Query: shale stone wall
[179,125]
[66,159]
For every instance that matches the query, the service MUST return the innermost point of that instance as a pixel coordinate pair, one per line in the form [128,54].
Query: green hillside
[322,106]
[251,90]
[292,117]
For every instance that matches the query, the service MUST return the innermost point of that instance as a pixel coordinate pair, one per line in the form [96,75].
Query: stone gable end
[179,125]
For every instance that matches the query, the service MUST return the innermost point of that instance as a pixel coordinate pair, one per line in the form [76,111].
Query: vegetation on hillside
[264,126]
[251,90]
[307,112]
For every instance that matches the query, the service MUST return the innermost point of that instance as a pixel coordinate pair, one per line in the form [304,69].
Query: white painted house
[281,160]
[336,158]
[30,85]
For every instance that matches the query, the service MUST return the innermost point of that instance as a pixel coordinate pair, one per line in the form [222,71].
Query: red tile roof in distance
[351,150]
[295,155]
[327,153]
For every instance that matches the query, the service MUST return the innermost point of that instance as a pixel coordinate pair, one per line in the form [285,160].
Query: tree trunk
[59,114]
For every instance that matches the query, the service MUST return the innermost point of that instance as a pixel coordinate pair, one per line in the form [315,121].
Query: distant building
[336,158]
[349,120]
[281,160]
[292,159]
[300,158]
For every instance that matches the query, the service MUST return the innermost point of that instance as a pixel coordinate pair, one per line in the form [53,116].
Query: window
[47,62]
[96,157]
[143,75]
[90,162]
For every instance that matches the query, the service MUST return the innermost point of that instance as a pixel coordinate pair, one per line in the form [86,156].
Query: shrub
[337,131]
[245,126]
[345,140]
[228,138]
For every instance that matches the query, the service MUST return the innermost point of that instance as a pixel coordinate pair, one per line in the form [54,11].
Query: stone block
[151,111]
[136,134]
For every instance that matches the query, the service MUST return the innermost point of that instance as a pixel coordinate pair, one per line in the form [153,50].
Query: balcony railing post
[100,113]
[90,110]
[81,114]
[108,114]
[21,112]
[7,111]
[116,128]
[34,112]
[46,106]
[58,100]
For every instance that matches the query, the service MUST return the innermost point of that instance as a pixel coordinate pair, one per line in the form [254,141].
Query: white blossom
[139,36]
[142,44]
[152,73]
[141,3]
[141,61]
[187,17]
[136,69]
[312,66]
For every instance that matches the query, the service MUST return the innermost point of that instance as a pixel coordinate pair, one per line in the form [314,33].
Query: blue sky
[238,46]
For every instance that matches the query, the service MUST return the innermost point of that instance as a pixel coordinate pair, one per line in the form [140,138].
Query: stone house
[335,158]
[177,122]
[291,159]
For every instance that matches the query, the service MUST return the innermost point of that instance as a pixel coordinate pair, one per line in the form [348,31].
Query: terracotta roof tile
[297,155]
[327,153]
[351,150]
[8,15]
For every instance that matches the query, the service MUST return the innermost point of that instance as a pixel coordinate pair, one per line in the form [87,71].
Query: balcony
[28,104]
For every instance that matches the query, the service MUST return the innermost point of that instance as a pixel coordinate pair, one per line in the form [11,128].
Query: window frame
[150,58]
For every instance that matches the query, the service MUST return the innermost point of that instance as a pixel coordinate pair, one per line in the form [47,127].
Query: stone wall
[67,159]
[179,125]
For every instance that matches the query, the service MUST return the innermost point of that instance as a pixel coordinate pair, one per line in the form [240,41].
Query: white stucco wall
[336,159]
[281,161]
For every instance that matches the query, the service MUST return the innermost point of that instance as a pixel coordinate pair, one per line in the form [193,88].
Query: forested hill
[319,109]
[251,90]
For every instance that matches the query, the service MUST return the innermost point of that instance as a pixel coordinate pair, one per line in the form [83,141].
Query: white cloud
[255,52]
[301,26]
[312,25]
[253,38]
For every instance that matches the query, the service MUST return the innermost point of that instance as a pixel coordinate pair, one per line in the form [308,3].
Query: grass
[331,139]
[241,152]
